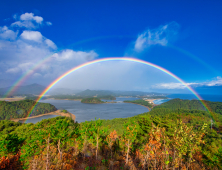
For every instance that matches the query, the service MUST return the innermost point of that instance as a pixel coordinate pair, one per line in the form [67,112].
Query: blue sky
[181,36]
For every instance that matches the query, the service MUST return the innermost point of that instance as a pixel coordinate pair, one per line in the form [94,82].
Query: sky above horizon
[41,40]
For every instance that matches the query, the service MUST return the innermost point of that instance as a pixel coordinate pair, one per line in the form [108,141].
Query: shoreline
[12,99]
[151,100]
[139,104]
[57,112]
[148,100]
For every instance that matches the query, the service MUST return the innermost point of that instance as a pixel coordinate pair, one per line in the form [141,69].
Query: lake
[87,112]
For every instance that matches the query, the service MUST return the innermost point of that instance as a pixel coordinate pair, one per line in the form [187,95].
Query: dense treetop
[20,109]
[93,100]
[175,104]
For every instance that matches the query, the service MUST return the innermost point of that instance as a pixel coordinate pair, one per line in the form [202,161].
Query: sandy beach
[151,100]
[12,99]
[57,112]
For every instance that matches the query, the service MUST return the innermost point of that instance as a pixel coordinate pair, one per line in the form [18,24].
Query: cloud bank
[22,46]
[216,82]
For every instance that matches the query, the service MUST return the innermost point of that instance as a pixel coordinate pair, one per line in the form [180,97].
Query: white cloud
[50,44]
[37,75]
[32,35]
[48,23]
[75,55]
[13,70]
[33,53]
[23,67]
[6,33]
[216,82]
[30,16]
[18,56]
[15,16]
[159,36]
[172,85]
[29,21]
[26,24]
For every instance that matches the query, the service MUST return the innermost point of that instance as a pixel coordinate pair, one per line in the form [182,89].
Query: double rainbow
[36,66]
[116,59]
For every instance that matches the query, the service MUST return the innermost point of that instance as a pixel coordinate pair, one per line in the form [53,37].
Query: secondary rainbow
[46,59]
[116,59]
[27,74]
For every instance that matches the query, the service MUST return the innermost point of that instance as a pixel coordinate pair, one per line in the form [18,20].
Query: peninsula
[141,102]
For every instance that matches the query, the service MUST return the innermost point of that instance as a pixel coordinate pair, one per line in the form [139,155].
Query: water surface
[87,112]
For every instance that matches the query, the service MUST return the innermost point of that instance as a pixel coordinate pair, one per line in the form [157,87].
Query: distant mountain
[136,93]
[63,91]
[28,89]
[95,93]
[116,93]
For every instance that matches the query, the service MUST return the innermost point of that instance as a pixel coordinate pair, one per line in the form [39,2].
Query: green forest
[140,101]
[93,100]
[164,138]
[175,104]
[20,109]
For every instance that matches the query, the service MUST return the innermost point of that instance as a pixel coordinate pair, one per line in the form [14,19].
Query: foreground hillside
[160,139]
[20,109]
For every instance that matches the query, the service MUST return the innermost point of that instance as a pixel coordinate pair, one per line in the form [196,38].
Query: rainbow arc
[117,59]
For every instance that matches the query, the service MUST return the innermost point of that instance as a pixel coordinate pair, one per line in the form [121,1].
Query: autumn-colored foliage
[10,162]
[166,141]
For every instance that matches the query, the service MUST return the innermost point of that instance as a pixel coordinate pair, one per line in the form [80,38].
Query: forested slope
[175,104]
[140,101]
[159,139]
[20,109]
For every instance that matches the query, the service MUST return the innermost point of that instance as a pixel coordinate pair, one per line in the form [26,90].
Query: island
[92,100]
